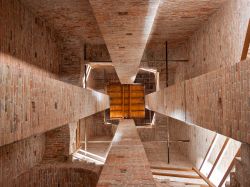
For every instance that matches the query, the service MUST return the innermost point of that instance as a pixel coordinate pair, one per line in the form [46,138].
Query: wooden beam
[170,141]
[176,175]
[129,88]
[85,76]
[171,168]
[123,113]
[97,141]
[204,177]
[246,43]
[85,135]
[195,184]
[218,157]
[229,169]
[208,151]
[166,64]
[100,64]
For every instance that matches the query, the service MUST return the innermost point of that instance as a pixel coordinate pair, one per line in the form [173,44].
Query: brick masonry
[63,174]
[153,135]
[217,43]
[218,101]
[127,163]
[57,145]
[96,127]
[19,157]
[26,162]
[33,103]
[28,39]
[243,166]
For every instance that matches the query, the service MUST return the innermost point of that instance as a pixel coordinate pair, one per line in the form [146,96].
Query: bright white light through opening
[85,79]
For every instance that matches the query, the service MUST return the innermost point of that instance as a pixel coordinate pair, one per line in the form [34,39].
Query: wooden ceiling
[125,26]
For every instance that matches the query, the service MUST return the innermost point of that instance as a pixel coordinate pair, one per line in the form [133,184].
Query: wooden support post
[85,52]
[218,157]
[123,110]
[203,177]
[104,116]
[171,168]
[150,117]
[210,146]
[168,139]
[166,64]
[85,76]
[85,135]
[78,135]
[85,65]
[129,90]
[176,175]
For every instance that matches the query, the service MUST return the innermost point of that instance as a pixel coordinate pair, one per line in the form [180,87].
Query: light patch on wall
[11,60]
[151,14]
[85,77]
[117,137]
[88,156]
[153,120]
[149,70]
[225,160]
[178,114]
[206,167]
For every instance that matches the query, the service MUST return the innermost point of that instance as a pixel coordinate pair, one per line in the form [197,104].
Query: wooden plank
[171,168]
[166,64]
[229,169]
[176,175]
[123,101]
[208,151]
[246,43]
[218,157]
[204,177]
[78,135]
[130,100]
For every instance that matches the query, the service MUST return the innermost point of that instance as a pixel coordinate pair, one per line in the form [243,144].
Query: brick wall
[72,65]
[96,127]
[60,143]
[219,41]
[153,137]
[19,157]
[28,39]
[54,175]
[30,97]
[158,131]
[243,166]
[57,145]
